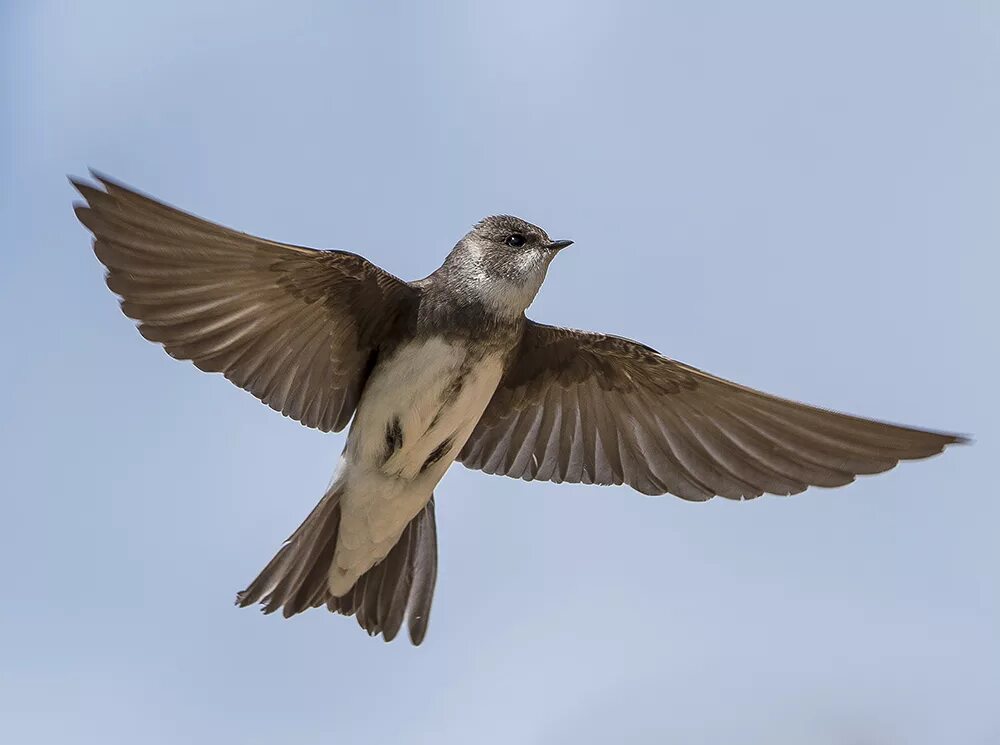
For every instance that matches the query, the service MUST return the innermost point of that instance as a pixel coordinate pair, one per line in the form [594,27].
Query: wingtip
[78,183]
[103,177]
[91,192]
[945,441]
[95,175]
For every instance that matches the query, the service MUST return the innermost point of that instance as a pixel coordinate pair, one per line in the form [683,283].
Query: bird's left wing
[589,408]
[296,327]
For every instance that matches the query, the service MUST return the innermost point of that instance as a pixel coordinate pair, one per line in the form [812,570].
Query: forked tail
[400,586]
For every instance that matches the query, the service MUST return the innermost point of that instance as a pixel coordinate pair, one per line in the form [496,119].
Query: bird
[441,370]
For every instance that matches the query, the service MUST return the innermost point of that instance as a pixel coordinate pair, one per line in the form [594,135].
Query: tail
[401,585]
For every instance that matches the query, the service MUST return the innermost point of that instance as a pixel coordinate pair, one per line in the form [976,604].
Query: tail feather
[425,569]
[399,587]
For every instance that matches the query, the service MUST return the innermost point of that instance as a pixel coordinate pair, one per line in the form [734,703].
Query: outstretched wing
[296,327]
[583,407]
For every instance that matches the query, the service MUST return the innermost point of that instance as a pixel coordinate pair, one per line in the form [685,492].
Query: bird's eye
[516,240]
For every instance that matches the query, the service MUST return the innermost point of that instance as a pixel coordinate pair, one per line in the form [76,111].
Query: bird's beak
[558,245]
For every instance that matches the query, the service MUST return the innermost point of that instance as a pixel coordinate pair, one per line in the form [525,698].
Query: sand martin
[445,369]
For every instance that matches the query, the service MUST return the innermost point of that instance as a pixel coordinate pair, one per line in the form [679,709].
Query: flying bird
[443,369]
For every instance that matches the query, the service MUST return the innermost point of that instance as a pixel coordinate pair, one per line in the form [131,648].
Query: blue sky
[798,196]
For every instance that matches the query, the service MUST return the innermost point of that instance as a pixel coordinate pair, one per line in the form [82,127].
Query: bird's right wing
[581,407]
[296,327]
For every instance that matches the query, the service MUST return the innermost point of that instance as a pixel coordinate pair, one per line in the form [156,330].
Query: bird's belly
[418,409]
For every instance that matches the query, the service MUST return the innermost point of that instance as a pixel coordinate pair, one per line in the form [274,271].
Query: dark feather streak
[393,436]
[437,454]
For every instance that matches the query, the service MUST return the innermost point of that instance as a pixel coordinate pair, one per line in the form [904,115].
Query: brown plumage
[293,326]
[457,369]
[399,587]
[596,409]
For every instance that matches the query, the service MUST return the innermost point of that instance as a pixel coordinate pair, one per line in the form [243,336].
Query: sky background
[798,196]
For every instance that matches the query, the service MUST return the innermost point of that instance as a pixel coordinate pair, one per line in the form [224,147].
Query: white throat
[508,296]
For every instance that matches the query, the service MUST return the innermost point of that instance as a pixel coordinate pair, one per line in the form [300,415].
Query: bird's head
[503,260]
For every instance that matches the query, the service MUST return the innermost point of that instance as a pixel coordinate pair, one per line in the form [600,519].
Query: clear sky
[802,197]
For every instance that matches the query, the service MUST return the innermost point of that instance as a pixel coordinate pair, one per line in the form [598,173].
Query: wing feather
[294,326]
[592,408]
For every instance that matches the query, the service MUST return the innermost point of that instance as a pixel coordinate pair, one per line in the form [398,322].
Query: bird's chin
[540,260]
[512,295]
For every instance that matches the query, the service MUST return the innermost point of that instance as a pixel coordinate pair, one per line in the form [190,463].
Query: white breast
[435,390]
